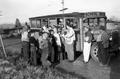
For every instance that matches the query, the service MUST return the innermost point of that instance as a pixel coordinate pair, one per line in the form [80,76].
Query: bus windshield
[95,22]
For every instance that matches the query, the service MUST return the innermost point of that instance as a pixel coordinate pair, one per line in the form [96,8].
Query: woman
[87,44]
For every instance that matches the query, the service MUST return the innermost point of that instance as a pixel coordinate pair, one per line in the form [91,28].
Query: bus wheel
[94,52]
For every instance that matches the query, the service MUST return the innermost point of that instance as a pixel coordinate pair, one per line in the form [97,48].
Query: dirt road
[92,70]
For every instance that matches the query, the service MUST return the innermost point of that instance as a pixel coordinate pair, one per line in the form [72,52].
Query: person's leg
[60,53]
[34,56]
[66,51]
[44,57]
[71,52]
[63,52]
[33,52]
[25,50]
[55,54]
[28,51]
[86,51]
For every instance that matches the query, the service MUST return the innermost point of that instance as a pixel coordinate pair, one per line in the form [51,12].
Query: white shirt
[70,36]
[25,36]
[45,29]
[58,39]
[36,35]
[40,39]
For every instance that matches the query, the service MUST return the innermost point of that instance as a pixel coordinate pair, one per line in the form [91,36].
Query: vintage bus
[77,22]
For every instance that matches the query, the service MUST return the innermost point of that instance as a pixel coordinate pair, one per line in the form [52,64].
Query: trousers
[26,48]
[86,51]
[69,48]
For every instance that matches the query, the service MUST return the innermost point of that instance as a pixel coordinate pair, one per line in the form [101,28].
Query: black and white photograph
[59,39]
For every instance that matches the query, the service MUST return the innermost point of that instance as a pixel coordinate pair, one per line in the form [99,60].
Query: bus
[77,21]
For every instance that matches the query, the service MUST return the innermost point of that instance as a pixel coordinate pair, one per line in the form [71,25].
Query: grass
[15,67]
[22,70]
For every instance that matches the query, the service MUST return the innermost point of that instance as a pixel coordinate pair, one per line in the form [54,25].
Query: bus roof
[74,14]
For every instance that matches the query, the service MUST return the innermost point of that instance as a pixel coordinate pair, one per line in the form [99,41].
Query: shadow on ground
[115,68]
[71,73]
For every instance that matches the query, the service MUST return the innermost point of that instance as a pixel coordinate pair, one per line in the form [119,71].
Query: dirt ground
[91,70]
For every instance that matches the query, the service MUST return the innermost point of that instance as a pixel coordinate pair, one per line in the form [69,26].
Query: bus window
[85,22]
[91,22]
[33,23]
[38,23]
[72,22]
[59,21]
[102,21]
[44,22]
[96,21]
[52,22]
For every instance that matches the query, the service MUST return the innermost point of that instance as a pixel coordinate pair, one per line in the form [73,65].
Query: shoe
[76,63]
[85,62]
[103,65]
[71,61]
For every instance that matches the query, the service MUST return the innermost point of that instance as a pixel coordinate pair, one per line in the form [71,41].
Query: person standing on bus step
[25,43]
[87,44]
[69,37]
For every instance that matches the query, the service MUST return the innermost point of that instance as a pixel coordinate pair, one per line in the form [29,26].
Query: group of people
[53,43]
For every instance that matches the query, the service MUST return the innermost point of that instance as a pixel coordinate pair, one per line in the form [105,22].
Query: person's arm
[70,34]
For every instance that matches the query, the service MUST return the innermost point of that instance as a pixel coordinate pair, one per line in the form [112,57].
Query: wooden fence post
[3,46]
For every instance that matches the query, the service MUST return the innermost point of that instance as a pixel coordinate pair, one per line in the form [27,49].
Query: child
[44,45]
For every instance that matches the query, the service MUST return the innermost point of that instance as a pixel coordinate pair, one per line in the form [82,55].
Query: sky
[24,9]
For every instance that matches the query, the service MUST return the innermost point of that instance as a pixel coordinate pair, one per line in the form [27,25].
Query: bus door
[44,22]
[94,23]
[38,23]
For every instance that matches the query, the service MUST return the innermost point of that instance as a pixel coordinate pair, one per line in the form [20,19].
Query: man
[69,36]
[25,42]
[34,48]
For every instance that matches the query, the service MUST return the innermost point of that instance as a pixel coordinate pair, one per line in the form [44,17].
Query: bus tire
[94,51]
[99,53]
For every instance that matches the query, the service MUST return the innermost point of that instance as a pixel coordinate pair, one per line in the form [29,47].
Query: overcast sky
[23,9]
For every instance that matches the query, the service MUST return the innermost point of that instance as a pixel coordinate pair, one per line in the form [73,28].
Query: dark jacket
[89,34]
